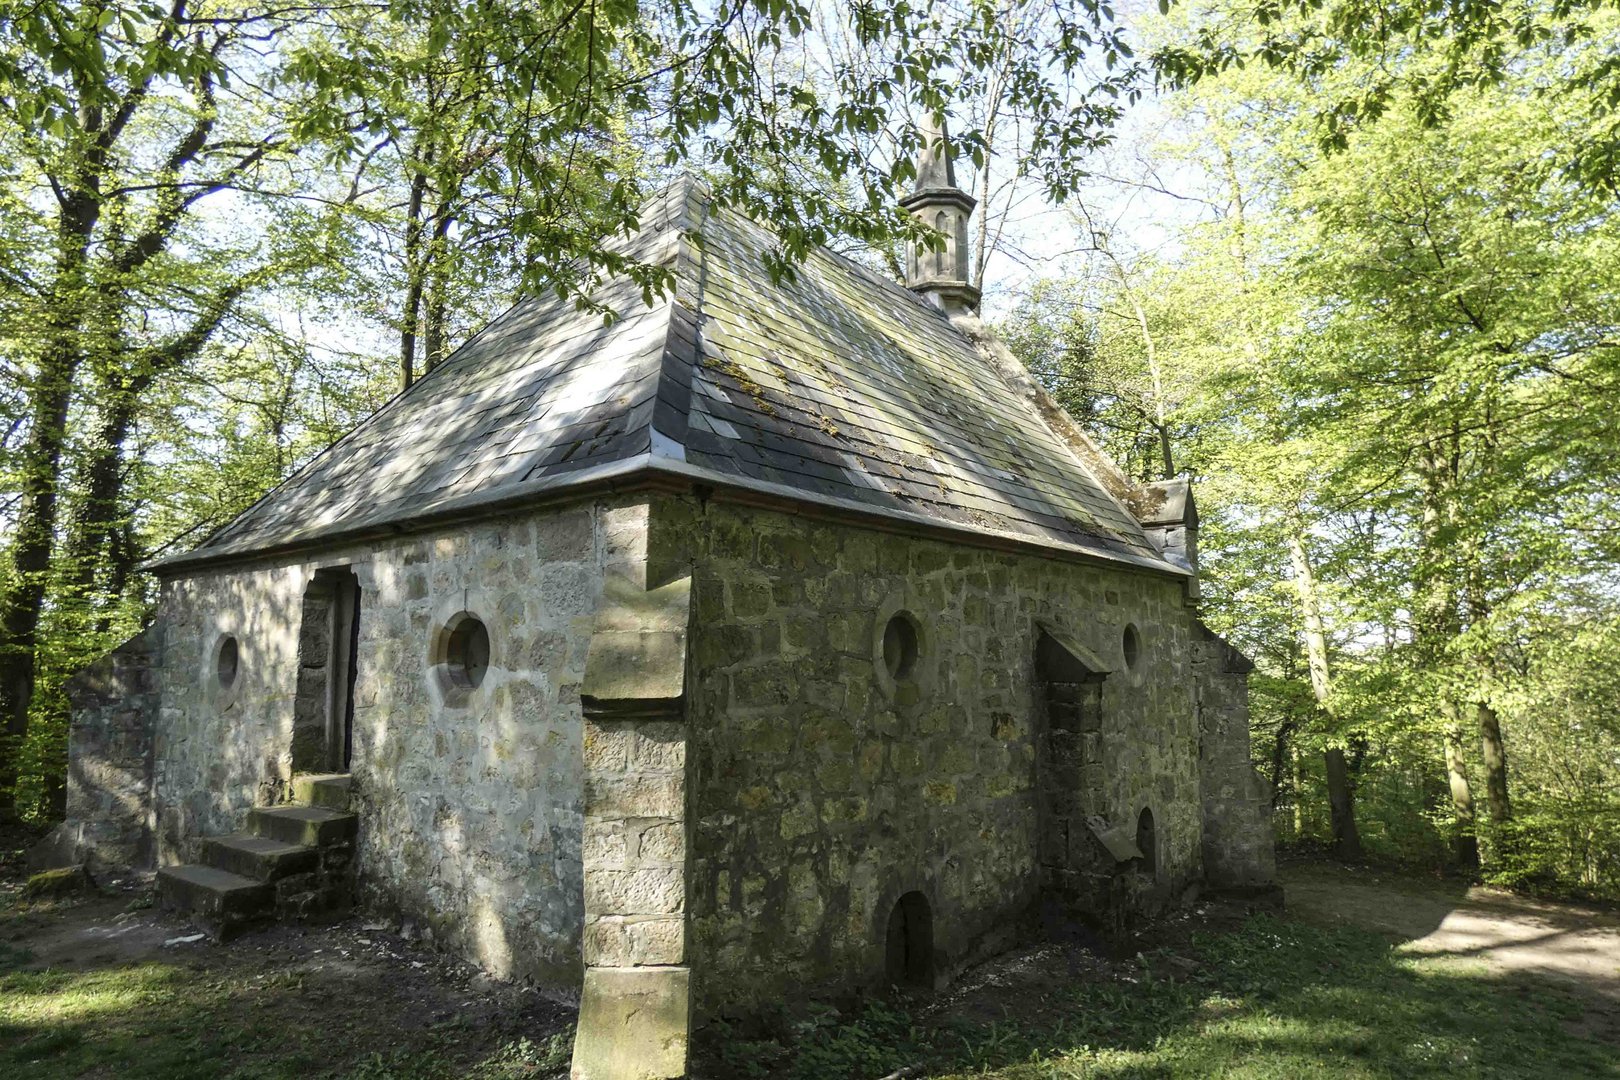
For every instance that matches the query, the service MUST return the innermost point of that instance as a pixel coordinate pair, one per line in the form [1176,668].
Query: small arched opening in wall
[466,657]
[900,646]
[227,662]
[1147,842]
[909,943]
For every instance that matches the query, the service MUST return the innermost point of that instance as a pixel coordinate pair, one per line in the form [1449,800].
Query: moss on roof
[835,386]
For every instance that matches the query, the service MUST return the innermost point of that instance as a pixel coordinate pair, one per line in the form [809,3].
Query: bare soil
[1570,944]
[356,989]
[346,992]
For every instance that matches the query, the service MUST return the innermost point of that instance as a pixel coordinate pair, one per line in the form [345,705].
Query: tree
[184,170]
[125,120]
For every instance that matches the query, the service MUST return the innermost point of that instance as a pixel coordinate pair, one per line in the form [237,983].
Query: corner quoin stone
[633,1024]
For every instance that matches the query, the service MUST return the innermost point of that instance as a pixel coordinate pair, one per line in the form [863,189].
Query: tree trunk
[415,278]
[435,342]
[1341,797]
[1496,778]
[1438,623]
[1298,764]
[98,522]
[23,594]
[1280,751]
[1341,804]
[1465,847]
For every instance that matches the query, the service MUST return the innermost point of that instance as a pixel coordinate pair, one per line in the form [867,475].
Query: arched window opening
[1147,842]
[900,647]
[1132,646]
[909,959]
[467,652]
[227,662]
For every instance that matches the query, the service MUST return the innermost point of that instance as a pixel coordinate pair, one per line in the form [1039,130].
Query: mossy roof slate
[837,386]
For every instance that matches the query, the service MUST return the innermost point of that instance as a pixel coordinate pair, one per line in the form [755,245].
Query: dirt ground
[1510,933]
[352,991]
[382,991]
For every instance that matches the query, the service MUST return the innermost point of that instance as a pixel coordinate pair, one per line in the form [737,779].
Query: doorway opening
[909,946]
[328,644]
[1069,767]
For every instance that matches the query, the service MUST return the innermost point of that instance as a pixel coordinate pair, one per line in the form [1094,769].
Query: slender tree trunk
[1496,779]
[1496,776]
[1493,754]
[123,554]
[1280,751]
[1465,847]
[98,521]
[415,278]
[1150,351]
[24,592]
[435,342]
[1299,791]
[1341,797]
[1437,623]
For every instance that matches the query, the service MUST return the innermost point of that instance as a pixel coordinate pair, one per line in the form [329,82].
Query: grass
[1273,1000]
[1265,999]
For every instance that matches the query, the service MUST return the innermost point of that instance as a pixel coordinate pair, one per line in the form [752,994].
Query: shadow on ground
[1367,975]
[106,987]
[1359,979]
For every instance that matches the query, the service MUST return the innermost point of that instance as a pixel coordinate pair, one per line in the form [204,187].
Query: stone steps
[292,862]
[223,903]
[258,857]
[308,825]
[329,790]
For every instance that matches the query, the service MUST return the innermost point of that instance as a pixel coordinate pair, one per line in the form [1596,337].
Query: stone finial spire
[942,276]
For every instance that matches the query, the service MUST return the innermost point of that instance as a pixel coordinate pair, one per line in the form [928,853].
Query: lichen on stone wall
[821,798]
[469,804]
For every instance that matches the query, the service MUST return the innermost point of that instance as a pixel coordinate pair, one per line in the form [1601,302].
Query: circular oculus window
[1131,643]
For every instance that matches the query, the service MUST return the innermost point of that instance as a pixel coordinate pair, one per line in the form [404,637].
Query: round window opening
[466,653]
[1133,646]
[227,663]
[900,647]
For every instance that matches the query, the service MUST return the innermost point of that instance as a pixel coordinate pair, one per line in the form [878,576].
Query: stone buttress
[635,1007]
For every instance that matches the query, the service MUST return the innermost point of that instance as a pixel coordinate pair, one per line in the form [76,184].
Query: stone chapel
[778,638]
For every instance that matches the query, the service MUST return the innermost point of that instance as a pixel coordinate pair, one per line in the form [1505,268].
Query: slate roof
[839,387]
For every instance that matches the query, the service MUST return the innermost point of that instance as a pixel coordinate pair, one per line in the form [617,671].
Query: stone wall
[1239,851]
[469,798]
[109,784]
[823,790]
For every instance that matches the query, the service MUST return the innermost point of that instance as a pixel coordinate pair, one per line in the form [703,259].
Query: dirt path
[1510,934]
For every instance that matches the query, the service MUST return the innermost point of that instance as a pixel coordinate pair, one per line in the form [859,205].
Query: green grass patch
[1275,1000]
